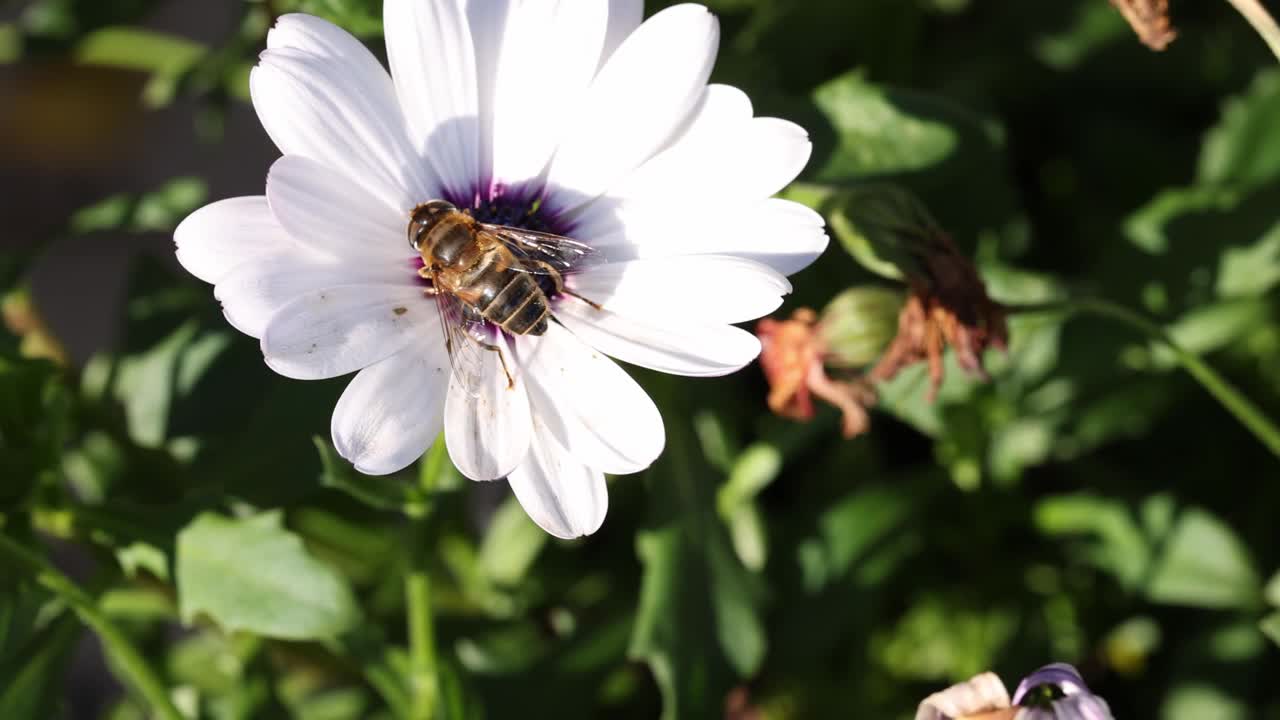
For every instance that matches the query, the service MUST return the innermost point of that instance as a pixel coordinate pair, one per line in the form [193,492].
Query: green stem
[423,682]
[1261,20]
[126,656]
[422,647]
[1222,390]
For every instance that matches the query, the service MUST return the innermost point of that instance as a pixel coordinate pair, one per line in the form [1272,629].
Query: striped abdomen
[481,272]
[506,297]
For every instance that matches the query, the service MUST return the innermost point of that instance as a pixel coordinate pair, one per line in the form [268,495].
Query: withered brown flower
[947,305]
[793,359]
[1150,20]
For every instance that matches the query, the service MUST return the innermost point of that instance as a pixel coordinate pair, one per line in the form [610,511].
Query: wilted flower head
[947,304]
[559,119]
[1149,20]
[852,331]
[1054,692]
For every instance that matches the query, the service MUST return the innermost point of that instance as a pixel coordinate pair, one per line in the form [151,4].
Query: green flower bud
[858,324]
[886,229]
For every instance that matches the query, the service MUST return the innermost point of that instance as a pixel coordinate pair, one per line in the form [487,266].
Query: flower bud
[859,324]
[886,229]
[1054,692]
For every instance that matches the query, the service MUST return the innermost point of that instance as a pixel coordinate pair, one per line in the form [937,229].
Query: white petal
[641,98]
[319,37]
[782,234]
[733,162]
[342,114]
[594,409]
[393,410]
[487,433]
[708,288]
[560,494]
[679,347]
[326,213]
[217,238]
[254,292]
[549,55]
[433,63]
[624,18]
[488,21]
[331,332]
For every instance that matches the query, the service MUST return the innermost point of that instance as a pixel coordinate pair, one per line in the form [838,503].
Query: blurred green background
[1091,504]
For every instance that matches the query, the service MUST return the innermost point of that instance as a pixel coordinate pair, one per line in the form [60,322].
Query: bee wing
[465,352]
[541,251]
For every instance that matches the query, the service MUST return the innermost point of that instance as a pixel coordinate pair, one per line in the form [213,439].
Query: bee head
[425,217]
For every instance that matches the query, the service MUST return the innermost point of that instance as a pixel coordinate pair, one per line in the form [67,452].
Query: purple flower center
[514,207]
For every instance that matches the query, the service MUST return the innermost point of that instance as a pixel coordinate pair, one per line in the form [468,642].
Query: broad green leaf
[880,131]
[1201,702]
[942,637]
[252,574]
[1270,626]
[1243,148]
[1272,591]
[1118,545]
[138,49]
[1203,564]
[884,132]
[511,545]
[698,625]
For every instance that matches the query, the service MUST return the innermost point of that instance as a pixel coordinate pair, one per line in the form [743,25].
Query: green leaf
[143,556]
[511,545]
[1244,148]
[382,493]
[1272,591]
[1270,626]
[878,130]
[1118,545]
[1204,564]
[698,624]
[883,131]
[158,210]
[135,48]
[252,574]
[36,416]
[1195,701]
[34,682]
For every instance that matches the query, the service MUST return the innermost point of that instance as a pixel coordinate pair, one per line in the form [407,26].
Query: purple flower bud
[1057,692]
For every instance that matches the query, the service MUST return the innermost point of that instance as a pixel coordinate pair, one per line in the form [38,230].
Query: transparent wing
[541,251]
[465,352]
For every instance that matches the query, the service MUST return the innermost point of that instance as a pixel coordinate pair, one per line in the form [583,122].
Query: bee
[483,273]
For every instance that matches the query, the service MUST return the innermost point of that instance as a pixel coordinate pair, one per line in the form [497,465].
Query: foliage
[1091,503]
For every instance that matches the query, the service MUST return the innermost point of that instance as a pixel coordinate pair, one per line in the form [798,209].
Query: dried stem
[1261,20]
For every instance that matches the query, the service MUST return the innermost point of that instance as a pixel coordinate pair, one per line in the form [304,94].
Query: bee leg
[592,303]
[558,279]
[511,381]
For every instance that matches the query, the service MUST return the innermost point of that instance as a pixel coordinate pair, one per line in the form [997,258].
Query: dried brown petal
[948,306]
[1150,20]
[792,356]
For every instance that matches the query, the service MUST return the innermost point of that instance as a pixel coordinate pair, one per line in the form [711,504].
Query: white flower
[609,129]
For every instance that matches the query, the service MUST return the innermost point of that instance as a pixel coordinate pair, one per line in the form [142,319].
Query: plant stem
[130,662]
[1261,20]
[422,647]
[1219,387]
[423,683]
